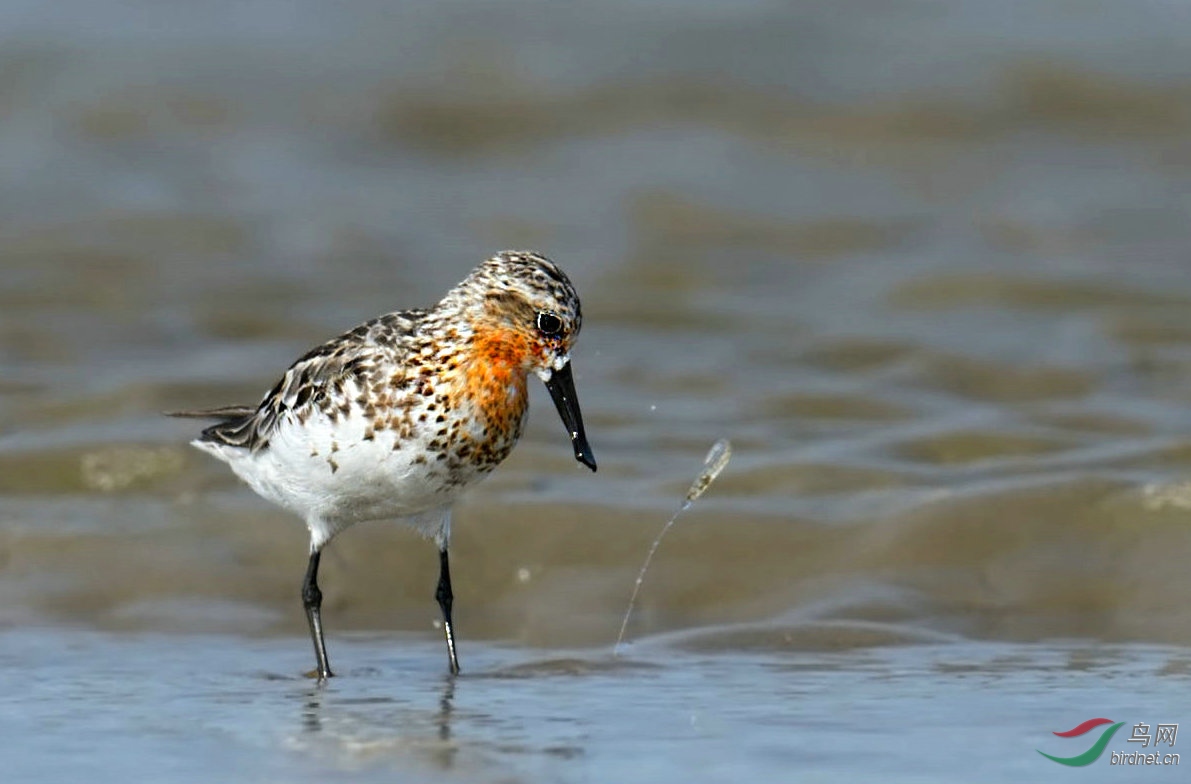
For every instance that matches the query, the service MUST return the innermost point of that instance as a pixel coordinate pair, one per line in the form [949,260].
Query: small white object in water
[717,457]
[1155,496]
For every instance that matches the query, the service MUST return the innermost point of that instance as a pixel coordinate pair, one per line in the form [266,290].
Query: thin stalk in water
[717,458]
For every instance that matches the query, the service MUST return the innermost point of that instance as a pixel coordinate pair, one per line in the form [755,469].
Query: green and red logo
[1097,748]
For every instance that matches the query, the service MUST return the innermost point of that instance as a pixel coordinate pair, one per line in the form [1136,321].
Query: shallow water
[925,265]
[189,708]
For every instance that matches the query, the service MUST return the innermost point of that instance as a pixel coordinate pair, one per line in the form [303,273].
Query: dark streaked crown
[524,280]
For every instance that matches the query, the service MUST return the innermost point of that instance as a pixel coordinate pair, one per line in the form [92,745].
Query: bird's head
[527,313]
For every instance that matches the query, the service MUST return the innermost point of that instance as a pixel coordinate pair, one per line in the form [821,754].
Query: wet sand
[189,708]
[928,272]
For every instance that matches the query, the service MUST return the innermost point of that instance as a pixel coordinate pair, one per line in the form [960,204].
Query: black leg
[312,600]
[445,598]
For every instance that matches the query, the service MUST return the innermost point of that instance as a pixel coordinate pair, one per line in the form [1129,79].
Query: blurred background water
[927,264]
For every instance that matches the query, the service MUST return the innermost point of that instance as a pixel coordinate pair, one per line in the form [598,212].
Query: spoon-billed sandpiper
[393,419]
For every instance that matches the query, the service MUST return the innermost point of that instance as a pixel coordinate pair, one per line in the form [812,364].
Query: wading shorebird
[393,419]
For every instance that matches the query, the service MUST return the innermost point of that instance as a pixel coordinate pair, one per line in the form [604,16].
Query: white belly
[332,477]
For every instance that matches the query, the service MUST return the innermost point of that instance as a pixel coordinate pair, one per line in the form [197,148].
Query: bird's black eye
[549,324]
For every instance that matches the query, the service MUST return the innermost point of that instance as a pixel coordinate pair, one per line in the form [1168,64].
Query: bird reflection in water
[442,752]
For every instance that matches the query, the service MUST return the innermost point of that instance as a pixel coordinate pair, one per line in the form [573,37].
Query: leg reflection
[446,706]
[410,726]
[312,710]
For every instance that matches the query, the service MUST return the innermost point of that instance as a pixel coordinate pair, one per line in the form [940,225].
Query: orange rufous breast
[494,376]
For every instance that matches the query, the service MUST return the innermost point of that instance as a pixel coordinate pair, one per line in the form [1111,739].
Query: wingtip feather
[226,412]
